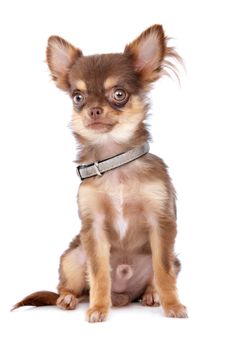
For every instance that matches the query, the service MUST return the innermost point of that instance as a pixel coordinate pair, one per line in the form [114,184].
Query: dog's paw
[97,314]
[176,311]
[150,299]
[67,302]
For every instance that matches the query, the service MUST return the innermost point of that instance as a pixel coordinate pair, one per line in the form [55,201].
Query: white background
[192,132]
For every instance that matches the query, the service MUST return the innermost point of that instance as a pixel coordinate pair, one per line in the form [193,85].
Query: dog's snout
[95,112]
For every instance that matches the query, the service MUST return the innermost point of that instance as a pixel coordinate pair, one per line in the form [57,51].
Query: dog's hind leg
[72,283]
[150,296]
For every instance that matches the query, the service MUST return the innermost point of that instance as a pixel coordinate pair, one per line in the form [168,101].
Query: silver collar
[99,168]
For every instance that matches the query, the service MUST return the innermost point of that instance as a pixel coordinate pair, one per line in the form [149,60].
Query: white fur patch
[124,131]
[121,223]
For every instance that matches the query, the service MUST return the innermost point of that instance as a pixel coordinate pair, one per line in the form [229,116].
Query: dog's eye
[79,98]
[119,95]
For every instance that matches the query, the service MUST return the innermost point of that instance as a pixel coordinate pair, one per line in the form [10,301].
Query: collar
[99,168]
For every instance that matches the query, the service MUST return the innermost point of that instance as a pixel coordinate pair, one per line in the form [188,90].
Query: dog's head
[108,91]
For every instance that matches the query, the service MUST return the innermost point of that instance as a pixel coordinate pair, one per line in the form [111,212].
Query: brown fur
[38,299]
[125,250]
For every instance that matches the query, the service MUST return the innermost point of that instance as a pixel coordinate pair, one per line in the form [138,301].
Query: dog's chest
[125,199]
[121,203]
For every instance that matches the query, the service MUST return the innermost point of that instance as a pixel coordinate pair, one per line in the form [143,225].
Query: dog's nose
[95,112]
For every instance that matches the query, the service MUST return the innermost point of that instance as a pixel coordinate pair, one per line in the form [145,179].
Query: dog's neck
[107,147]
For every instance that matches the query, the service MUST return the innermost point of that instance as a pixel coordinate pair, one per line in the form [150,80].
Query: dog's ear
[147,53]
[61,55]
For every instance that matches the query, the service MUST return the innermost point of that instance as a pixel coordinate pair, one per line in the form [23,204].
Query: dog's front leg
[162,237]
[97,249]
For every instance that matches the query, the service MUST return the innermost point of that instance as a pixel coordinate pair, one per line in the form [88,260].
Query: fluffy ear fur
[148,52]
[61,55]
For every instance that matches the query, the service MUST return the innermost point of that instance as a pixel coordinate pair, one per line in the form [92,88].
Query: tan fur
[125,250]
[110,82]
[150,296]
[81,85]
[165,276]
[73,267]
[98,269]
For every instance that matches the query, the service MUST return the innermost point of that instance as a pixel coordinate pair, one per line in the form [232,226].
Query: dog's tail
[40,298]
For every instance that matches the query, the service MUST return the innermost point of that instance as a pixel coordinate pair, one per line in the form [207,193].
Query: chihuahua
[125,249]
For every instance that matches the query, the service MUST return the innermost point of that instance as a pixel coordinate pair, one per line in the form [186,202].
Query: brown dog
[125,250]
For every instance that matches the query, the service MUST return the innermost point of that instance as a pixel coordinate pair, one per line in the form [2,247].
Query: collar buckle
[97,169]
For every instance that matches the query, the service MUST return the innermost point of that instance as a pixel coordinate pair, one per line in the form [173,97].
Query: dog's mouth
[97,125]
